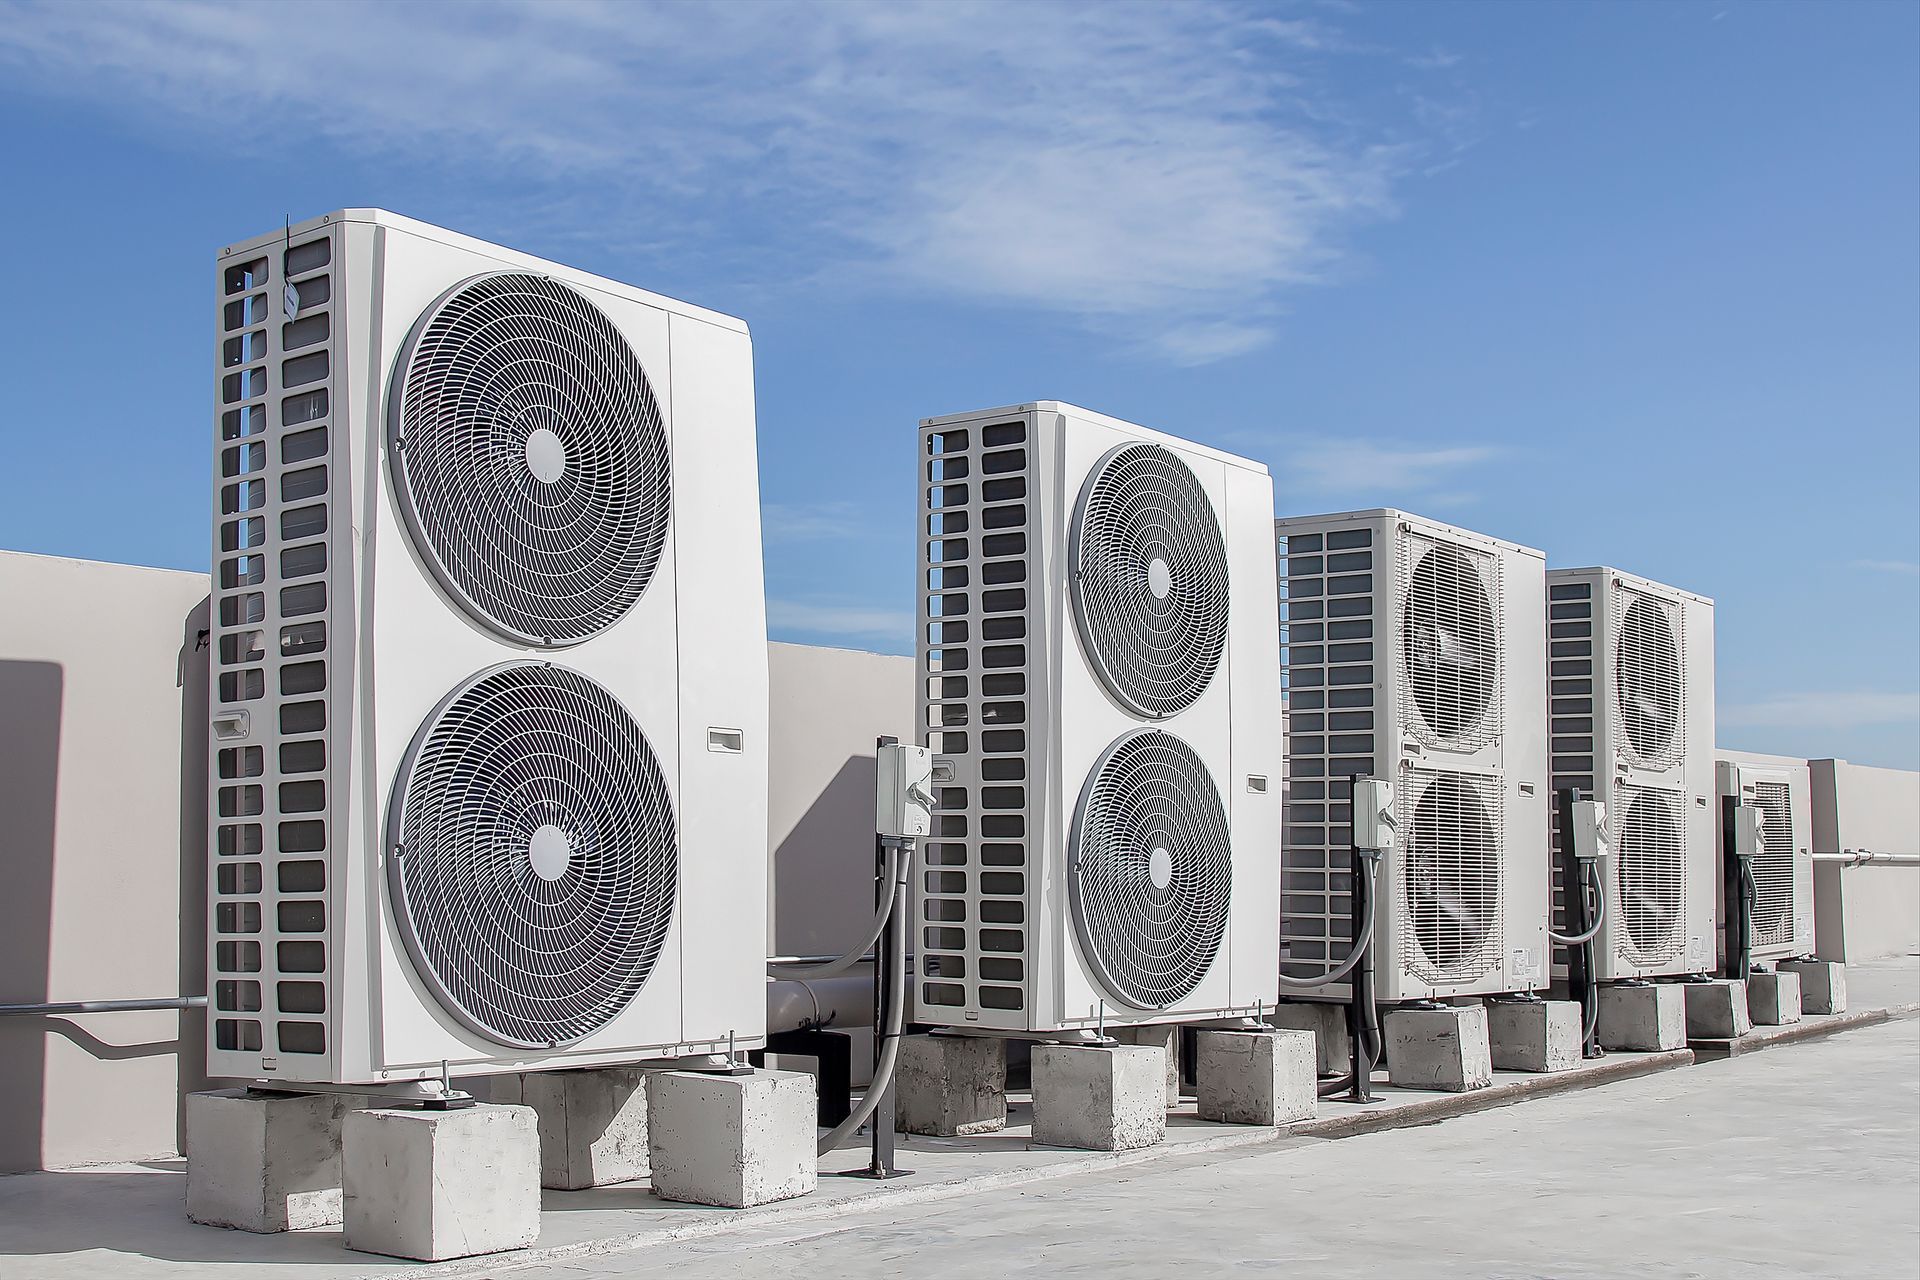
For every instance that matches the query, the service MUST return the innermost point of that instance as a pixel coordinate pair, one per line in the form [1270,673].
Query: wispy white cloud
[1165,173]
[1889,566]
[1846,710]
[1384,467]
[805,522]
[815,618]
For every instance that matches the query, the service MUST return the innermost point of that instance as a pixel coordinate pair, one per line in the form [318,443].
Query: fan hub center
[549,853]
[1159,578]
[546,455]
[1160,868]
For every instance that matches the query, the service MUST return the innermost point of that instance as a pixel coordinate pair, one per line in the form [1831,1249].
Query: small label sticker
[290,298]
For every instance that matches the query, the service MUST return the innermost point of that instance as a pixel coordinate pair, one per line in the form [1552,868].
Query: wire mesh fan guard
[529,457]
[1451,892]
[533,855]
[1650,875]
[1149,580]
[1646,675]
[1450,645]
[1773,866]
[1150,869]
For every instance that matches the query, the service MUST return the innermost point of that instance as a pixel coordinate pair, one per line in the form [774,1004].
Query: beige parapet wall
[1865,910]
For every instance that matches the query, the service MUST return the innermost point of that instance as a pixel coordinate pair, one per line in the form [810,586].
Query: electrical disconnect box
[1749,829]
[1589,830]
[1373,820]
[903,799]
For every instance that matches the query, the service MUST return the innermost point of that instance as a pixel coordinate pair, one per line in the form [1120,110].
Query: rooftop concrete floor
[1651,1163]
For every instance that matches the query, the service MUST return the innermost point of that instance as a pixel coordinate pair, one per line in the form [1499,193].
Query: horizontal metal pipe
[1859,857]
[841,1002]
[103,1006]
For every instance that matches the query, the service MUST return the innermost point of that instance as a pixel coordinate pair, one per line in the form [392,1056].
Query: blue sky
[1635,283]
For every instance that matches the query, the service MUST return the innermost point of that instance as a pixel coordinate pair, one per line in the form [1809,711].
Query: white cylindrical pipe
[842,1002]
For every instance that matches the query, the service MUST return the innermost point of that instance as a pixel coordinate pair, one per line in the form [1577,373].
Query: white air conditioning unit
[1413,653]
[488,750]
[1100,667]
[1631,665]
[1782,790]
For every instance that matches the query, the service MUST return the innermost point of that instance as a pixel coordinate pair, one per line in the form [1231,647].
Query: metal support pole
[1361,1017]
[892,955]
[1581,969]
[1736,874]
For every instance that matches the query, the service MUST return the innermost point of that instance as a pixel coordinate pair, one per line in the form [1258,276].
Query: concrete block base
[1257,1077]
[1333,1049]
[431,1185]
[264,1161]
[1445,1048]
[1649,1019]
[951,1086]
[1099,1099]
[1716,1010]
[1167,1037]
[732,1141]
[1823,985]
[1534,1035]
[1773,999]
[593,1124]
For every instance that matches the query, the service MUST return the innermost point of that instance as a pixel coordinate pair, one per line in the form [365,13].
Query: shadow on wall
[31,697]
[823,870]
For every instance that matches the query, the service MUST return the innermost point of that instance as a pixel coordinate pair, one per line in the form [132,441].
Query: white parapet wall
[1865,909]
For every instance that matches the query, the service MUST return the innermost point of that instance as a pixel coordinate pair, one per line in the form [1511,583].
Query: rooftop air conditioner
[1413,653]
[1099,667]
[1783,862]
[1631,665]
[488,746]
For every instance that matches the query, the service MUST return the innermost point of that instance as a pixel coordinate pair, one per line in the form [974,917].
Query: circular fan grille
[1452,880]
[1151,870]
[1449,644]
[532,464]
[1149,580]
[1647,680]
[1650,875]
[534,855]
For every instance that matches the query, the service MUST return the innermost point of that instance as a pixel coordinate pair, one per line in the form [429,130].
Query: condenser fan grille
[1149,580]
[1451,895]
[531,459]
[1450,646]
[1773,866]
[1650,874]
[1646,675]
[1150,876]
[533,855]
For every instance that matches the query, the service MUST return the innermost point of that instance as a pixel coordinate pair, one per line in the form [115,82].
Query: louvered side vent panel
[269,815]
[1328,600]
[974,662]
[1773,867]
[1647,826]
[1451,923]
[1570,710]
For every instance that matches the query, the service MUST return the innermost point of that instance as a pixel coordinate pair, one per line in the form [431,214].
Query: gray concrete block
[593,1124]
[1716,1010]
[1823,985]
[1167,1037]
[1099,1099]
[1773,999]
[951,1086]
[264,1162]
[1534,1035]
[1445,1048]
[432,1185]
[1649,1019]
[1256,1077]
[1328,1022]
[732,1141]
